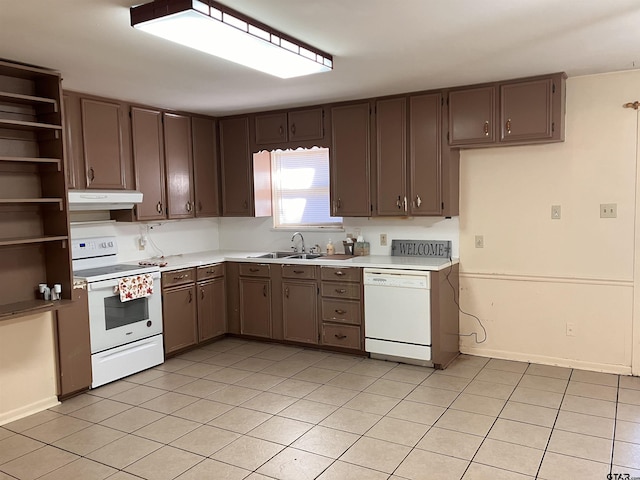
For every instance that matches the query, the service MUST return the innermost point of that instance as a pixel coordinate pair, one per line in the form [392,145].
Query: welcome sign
[421,248]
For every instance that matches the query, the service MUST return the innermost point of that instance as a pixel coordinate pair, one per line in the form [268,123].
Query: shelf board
[29,126]
[49,161]
[28,240]
[26,99]
[29,307]
[31,201]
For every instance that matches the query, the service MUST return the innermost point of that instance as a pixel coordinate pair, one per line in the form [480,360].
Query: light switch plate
[479,241]
[608,210]
[556,212]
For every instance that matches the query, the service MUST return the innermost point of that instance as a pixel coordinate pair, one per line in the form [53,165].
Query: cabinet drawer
[343,311]
[178,277]
[254,270]
[341,290]
[210,271]
[341,336]
[299,271]
[348,274]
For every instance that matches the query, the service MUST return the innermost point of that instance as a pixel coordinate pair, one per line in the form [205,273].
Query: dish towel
[131,288]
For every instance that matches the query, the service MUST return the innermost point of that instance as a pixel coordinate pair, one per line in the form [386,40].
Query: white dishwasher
[397,312]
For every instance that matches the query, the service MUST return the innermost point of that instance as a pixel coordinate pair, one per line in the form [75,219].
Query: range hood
[81,200]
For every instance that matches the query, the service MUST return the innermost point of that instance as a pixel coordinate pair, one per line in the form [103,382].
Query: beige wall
[534,274]
[28,379]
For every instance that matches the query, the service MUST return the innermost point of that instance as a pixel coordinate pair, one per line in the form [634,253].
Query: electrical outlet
[571,329]
[142,242]
[556,212]
[383,239]
[608,210]
[479,241]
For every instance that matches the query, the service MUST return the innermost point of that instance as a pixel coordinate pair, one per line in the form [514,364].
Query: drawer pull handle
[286,292]
[340,312]
[341,290]
[202,293]
[339,336]
[210,272]
[298,271]
[254,269]
[264,291]
[339,273]
[190,296]
[180,277]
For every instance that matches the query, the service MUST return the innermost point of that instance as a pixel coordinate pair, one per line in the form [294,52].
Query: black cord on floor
[473,334]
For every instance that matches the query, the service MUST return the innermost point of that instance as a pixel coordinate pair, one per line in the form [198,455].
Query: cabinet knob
[202,293]
[264,290]
[339,336]
[418,201]
[188,206]
[190,296]
[286,292]
[280,130]
[91,174]
[293,129]
[486,128]
[159,207]
[507,126]
[399,203]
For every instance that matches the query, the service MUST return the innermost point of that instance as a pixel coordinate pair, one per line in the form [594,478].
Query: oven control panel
[93,247]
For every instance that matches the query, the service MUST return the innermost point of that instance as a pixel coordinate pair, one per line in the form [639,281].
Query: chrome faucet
[301,238]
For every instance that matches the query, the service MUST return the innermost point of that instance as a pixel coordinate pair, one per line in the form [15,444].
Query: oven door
[114,323]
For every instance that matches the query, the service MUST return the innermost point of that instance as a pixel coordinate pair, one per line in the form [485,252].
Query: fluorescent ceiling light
[218,30]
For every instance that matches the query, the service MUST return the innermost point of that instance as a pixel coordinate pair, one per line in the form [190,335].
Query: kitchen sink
[292,255]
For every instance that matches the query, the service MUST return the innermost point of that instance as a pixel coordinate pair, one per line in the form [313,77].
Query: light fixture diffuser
[218,30]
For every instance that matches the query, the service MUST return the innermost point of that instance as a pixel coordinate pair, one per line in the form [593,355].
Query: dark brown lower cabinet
[74,344]
[300,311]
[255,306]
[212,317]
[179,318]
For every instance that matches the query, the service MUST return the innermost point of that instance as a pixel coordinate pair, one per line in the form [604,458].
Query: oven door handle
[109,284]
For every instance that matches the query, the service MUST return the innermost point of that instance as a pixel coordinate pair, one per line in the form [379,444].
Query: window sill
[307,229]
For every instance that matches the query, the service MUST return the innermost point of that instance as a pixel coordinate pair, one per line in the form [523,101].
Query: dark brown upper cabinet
[98,142]
[206,179]
[524,111]
[282,128]
[179,166]
[148,159]
[350,159]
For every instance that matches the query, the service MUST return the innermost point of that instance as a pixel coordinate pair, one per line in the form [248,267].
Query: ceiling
[380,47]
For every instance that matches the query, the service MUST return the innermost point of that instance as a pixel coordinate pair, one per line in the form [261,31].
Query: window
[301,189]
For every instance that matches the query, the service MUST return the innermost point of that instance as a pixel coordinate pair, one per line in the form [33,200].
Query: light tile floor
[245,410]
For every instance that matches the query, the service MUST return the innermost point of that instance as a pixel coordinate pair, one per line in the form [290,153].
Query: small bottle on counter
[331,250]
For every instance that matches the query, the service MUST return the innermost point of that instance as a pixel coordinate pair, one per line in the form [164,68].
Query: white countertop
[188,260]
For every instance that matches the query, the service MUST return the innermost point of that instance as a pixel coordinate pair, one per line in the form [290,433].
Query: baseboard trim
[26,410]
[546,360]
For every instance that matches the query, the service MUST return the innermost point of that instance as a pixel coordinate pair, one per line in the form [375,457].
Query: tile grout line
[615,425]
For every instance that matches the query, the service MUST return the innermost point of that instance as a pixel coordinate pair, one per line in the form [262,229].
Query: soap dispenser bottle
[331,250]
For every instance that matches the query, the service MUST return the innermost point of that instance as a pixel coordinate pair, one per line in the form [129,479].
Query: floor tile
[595,377]
[499,376]
[111,389]
[164,464]
[627,381]
[250,348]
[625,454]
[99,411]
[294,388]
[590,390]
[56,429]
[509,456]
[585,424]
[325,441]
[351,381]
[224,359]
[248,452]
[170,381]
[138,395]
[451,443]
[38,463]
[132,419]
[32,421]
[433,396]
[477,471]
[347,471]
[167,429]
[371,403]
[89,439]
[277,353]
[253,364]
[169,402]
[198,370]
[16,446]
[390,388]
[489,389]
[459,370]
[520,433]
[124,451]
[280,430]
[228,375]
[331,395]
[196,355]
[630,396]
[233,395]
[372,368]
[121,475]
[285,369]
[260,381]
[630,413]
[521,412]
[200,388]
[582,446]
[507,365]
[417,412]
[308,411]
[408,374]
[624,471]
[269,402]
[240,420]
[376,454]
[338,362]
[546,384]
[478,404]
[446,382]
[4,433]
[627,431]
[205,440]
[75,403]
[145,376]
[556,466]
[589,406]
[212,469]
[316,374]
[173,364]
[441,467]
[81,468]
[293,464]
[203,411]
[540,398]
[465,422]
[352,421]
[549,371]
[397,431]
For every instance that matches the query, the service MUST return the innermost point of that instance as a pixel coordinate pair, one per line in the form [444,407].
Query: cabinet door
[211,309]
[73,163]
[350,155]
[148,158]
[425,180]
[300,311]
[391,157]
[472,116]
[271,128]
[179,165]
[525,111]
[104,152]
[235,158]
[306,125]
[179,318]
[255,307]
[206,180]
[74,345]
